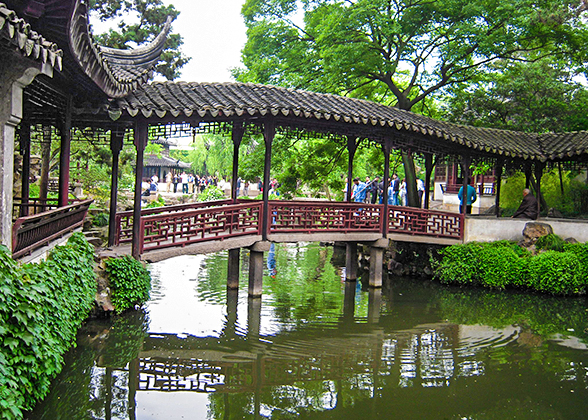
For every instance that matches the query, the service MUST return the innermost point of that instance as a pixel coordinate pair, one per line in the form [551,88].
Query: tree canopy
[404,53]
[151,16]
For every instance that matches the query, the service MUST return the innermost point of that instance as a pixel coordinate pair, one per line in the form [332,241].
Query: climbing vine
[130,282]
[41,308]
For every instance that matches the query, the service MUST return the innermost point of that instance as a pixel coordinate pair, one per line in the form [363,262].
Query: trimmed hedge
[41,308]
[503,264]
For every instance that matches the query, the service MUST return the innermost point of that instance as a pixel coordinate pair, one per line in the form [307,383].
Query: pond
[315,346]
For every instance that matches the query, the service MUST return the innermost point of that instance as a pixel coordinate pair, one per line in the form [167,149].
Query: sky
[214,35]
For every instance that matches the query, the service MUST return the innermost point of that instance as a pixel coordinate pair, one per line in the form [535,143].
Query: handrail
[32,232]
[420,222]
[124,220]
[206,224]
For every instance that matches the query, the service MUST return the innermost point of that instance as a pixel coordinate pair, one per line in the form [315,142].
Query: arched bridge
[203,227]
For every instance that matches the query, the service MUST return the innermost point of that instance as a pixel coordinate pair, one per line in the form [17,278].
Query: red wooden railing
[305,217]
[124,220]
[182,228]
[190,223]
[421,222]
[36,205]
[32,232]
[480,189]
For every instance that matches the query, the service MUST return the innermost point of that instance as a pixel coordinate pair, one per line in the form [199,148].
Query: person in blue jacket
[359,191]
[471,198]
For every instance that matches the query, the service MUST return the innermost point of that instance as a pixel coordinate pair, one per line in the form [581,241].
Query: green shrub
[458,265]
[100,219]
[550,242]
[41,308]
[558,273]
[498,267]
[211,193]
[581,252]
[130,282]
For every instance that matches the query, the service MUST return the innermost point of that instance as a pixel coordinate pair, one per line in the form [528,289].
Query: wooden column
[140,139]
[352,148]
[236,136]
[351,262]
[25,151]
[268,136]
[465,171]
[386,148]
[64,156]
[498,173]
[233,268]
[116,143]
[429,165]
[528,174]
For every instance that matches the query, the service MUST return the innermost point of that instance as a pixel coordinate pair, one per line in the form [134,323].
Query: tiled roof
[164,161]
[210,101]
[17,32]
[117,72]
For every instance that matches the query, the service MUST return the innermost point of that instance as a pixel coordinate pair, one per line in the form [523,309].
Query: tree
[539,96]
[151,16]
[402,52]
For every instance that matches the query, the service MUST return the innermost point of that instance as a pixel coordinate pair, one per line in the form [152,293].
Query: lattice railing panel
[413,221]
[124,220]
[324,217]
[191,226]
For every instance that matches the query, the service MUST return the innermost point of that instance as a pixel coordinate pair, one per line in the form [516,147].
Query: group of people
[372,191]
[182,183]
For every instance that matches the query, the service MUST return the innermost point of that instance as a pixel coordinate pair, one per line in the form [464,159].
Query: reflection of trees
[94,383]
[544,315]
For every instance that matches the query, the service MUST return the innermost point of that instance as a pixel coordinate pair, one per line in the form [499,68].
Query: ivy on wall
[130,282]
[41,308]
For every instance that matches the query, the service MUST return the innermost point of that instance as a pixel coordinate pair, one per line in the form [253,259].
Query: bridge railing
[33,232]
[124,220]
[186,227]
[421,222]
[327,216]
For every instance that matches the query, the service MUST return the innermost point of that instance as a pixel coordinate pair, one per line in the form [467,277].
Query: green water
[316,347]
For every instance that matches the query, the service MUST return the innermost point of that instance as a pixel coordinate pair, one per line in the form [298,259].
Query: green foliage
[558,273]
[158,202]
[41,308]
[100,219]
[130,282]
[551,242]
[502,264]
[211,193]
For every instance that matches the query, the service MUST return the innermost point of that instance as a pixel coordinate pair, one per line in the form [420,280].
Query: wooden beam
[269,133]
[140,135]
[116,143]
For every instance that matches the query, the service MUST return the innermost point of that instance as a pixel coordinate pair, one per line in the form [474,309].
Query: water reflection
[315,345]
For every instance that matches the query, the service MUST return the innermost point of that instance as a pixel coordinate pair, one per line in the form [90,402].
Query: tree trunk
[410,174]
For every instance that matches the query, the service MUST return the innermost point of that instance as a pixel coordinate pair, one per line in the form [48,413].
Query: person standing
[402,192]
[184,178]
[359,191]
[420,191]
[168,181]
[395,189]
[529,208]
[176,182]
[470,198]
